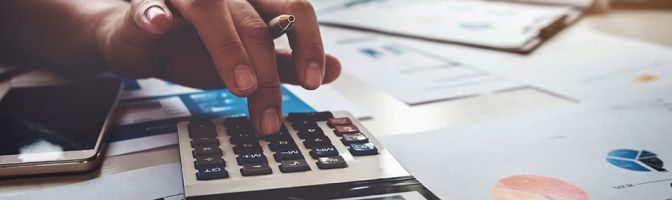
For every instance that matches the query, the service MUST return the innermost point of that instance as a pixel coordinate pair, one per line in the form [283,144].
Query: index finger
[305,38]
[216,28]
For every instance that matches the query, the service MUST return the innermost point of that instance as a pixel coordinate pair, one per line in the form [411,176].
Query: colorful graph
[642,161]
[532,187]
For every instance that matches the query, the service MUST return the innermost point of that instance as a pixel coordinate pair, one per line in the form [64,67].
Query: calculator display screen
[49,120]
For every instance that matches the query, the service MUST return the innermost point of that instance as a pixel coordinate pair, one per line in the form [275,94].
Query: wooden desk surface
[391,116]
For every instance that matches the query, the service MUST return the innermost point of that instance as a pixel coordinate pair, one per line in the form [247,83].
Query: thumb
[146,21]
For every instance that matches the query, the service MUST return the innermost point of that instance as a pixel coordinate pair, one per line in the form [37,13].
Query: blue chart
[643,161]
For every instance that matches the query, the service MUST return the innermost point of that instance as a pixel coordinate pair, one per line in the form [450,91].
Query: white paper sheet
[570,144]
[579,63]
[411,74]
[157,182]
[484,23]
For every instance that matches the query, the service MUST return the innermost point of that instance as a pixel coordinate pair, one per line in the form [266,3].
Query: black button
[211,172]
[202,128]
[314,116]
[310,132]
[250,147]
[206,150]
[354,138]
[240,138]
[303,124]
[363,149]
[283,134]
[282,144]
[251,158]
[237,123]
[331,162]
[256,169]
[202,162]
[327,151]
[289,166]
[197,141]
[317,141]
[290,154]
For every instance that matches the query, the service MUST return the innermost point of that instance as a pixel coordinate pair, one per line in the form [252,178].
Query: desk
[391,116]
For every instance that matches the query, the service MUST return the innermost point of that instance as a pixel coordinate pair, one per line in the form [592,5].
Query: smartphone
[55,128]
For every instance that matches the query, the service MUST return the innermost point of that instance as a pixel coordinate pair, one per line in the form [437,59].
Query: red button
[346,129]
[339,121]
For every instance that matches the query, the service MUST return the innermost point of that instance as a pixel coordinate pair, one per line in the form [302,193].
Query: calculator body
[371,172]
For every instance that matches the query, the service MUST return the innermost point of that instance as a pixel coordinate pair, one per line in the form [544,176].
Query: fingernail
[313,75]
[270,122]
[152,12]
[244,78]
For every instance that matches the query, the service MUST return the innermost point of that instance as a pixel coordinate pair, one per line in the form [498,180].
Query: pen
[281,25]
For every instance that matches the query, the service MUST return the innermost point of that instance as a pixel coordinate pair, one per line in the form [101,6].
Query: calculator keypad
[287,152]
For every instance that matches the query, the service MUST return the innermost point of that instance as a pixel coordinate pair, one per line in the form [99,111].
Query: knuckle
[200,5]
[314,47]
[255,28]
[300,4]
[268,86]
[229,46]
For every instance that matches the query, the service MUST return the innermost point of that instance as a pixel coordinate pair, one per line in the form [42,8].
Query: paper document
[578,63]
[151,109]
[581,64]
[411,74]
[158,182]
[492,24]
[573,153]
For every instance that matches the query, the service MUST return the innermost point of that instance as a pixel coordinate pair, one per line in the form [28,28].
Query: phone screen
[58,118]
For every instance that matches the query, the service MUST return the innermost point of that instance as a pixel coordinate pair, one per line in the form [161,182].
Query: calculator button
[339,122]
[250,147]
[354,138]
[243,138]
[314,116]
[211,172]
[239,131]
[256,169]
[202,128]
[202,162]
[251,158]
[327,151]
[289,166]
[206,150]
[331,162]
[238,123]
[198,141]
[282,144]
[290,154]
[317,141]
[283,134]
[363,149]
[303,124]
[347,129]
[310,132]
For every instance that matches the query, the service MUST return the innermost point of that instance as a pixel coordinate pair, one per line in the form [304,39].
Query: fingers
[216,29]
[305,39]
[265,104]
[287,71]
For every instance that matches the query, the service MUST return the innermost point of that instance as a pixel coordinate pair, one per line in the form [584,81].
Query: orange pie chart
[531,187]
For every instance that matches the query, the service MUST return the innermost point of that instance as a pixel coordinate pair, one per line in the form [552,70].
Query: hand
[219,43]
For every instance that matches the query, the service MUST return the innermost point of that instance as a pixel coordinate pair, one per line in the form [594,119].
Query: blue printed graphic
[642,161]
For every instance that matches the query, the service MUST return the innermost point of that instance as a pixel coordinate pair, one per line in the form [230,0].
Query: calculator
[315,155]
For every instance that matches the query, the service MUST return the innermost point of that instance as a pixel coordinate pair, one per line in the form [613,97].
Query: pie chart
[634,160]
[533,187]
